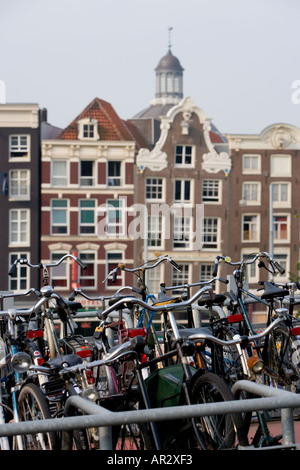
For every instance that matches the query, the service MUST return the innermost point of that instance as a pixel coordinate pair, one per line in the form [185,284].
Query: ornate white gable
[157,160]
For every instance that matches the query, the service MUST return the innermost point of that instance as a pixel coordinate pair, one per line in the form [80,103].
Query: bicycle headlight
[21,361]
[255,364]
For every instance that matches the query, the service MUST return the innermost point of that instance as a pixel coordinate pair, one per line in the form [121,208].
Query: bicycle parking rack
[97,416]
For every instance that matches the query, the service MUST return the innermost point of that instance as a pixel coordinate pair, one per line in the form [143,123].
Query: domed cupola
[169,80]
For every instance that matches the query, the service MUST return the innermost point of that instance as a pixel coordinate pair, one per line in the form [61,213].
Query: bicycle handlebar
[158,308]
[143,267]
[25,261]
[262,254]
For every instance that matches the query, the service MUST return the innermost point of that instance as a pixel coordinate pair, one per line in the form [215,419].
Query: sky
[240,57]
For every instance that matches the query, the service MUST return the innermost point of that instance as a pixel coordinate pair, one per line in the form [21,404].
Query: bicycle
[191,383]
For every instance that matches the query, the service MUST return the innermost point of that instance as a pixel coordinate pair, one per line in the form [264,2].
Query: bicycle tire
[283,358]
[132,436]
[32,405]
[217,431]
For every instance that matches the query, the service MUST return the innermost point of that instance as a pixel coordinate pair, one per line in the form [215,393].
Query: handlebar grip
[114,278]
[72,296]
[279,267]
[13,268]
[221,279]
[83,265]
[216,265]
[176,266]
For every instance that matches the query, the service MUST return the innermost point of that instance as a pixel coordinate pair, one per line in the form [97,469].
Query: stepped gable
[110,126]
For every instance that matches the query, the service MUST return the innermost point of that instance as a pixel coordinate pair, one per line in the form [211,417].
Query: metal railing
[97,416]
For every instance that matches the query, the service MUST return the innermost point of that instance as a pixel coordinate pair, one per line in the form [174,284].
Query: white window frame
[90,180]
[23,149]
[184,164]
[18,180]
[81,210]
[111,179]
[250,201]
[19,230]
[182,232]
[211,233]
[17,276]
[252,170]
[82,274]
[65,177]
[182,183]
[280,203]
[288,226]
[283,168]
[155,231]
[67,209]
[156,188]
[121,224]
[213,186]
[88,129]
[257,224]
[60,272]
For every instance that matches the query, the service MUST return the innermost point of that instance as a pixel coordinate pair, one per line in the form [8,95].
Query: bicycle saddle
[272,291]
[64,360]
[165,299]
[206,300]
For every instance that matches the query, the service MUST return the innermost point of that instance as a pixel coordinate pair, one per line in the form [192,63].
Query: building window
[206,272]
[250,230]
[88,277]
[19,226]
[19,146]
[59,216]
[251,164]
[155,231]
[210,191]
[112,261]
[87,217]
[281,194]
[60,273]
[88,129]
[251,192]
[210,232]
[181,277]
[183,155]
[154,279]
[87,177]
[182,232]
[115,216]
[154,188]
[59,175]
[19,184]
[114,177]
[182,190]
[281,165]
[281,228]
[19,281]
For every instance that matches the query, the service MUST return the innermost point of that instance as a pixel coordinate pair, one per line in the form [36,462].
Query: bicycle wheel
[132,436]
[283,359]
[217,431]
[33,406]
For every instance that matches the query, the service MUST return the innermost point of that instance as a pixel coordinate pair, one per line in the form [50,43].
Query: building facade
[20,136]
[184,184]
[87,193]
[265,196]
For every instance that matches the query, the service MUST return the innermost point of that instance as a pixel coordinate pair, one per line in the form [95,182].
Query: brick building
[87,190]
